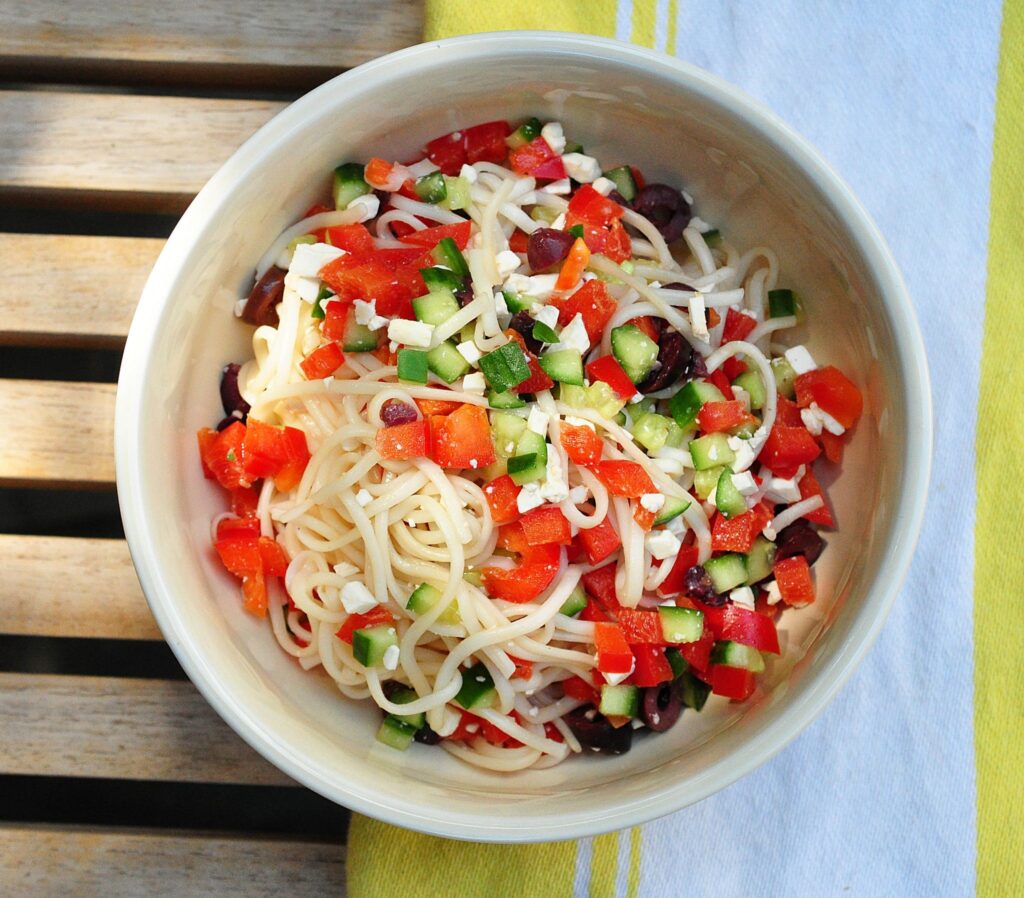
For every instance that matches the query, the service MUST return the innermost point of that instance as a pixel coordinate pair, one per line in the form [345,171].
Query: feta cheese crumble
[391,655]
[652,502]
[743,596]
[356,598]
[529,497]
[411,333]
[538,420]
[469,351]
[585,169]
[573,336]
[474,383]
[800,360]
[603,186]
[554,136]
[662,544]
[698,319]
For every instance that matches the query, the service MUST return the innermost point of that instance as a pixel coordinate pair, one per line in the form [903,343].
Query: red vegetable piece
[375,617]
[448,153]
[732,682]
[718,378]
[738,534]
[538,159]
[698,654]
[833,446]
[833,392]
[581,444]
[502,494]
[222,456]
[720,417]
[673,583]
[404,440]
[463,439]
[601,585]
[579,689]
[652,667]
[737,326]
[641,627]
[599,542]
[323,361]
[607,369]
[809,487]
[486,142]
[613,652]
[787,448]
[590,206]
[744,626]
[430,237]
[593,302]
[793,575]
[526,581]
[238,528]
[545,525]
[624,478]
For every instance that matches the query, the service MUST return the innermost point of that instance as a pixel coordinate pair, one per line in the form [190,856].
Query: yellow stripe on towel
[471,16]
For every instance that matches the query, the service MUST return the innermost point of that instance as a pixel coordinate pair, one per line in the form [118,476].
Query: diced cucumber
[435,308]
[431,188]
[672,508]
[508,399]
[706,482]
[727,571]
[497,468]
[447,362]
[505,367]
[440,279]
[619,701]
[515,302]
[318,309]
[783,303]
[713,237]
[685,404]
[546,214]
[760,559]
[473,576]
[531,459]
[785,377]
[571,146]
[754,386]
[358,337]
[634,350]
[369,645]
[506,430]
[693,692]
[395,733]
[576,602]
[651,430]
[625,183]
[527,132]
[402,695]
[728,499]
[543,333]
[677,435]
[711,451]
[458,193]
[564,366]
[477,688]
[676,661]
[679,625]
[412,366]
[348,184]
[424,597]
[448,254]
[603,399]
[735,654]
[573,396]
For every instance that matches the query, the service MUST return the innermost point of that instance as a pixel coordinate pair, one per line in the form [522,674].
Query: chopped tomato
[641,627]
[673,583]
[375,617]
[809,487]
[546,525]
[524,669]
[787,448]
[698,654]
[613,652]
[601,585]
[833,392]
[581,444]
[607,369]
[538,159]
[652,667]
[404,440]
[323,362]
[437,406]
[794,578]
[732,682]
[744,626]
[526,581]
[501,495]
[833,446]
[737,326]
[624,478]
[486,142]
[463,439]
[579,689]
[719,417]
[574,265]
[378,172]
[718,378]
[599,542]
[593,302]
[222,456]
[428,238]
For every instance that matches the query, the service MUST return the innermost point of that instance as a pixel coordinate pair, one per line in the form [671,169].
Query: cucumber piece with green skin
[785,377]
[677,662]
[619,701]
[369,645]
[760,559]
[348,184]
[603,399]
[712,237]
[677,435]
[735,654]
[528,131]
[516,303]
[729,500]
[458,193]
[318,309]
[693,692]
[727,571]
[673,507]
[783,303]
[634,351]
[573,396]
[477,688]
[711,451]
[358,337]
[448,254]
[572,147]
[625,183]
[679,625]
[506,430]
[497,468]
[412,366]
[543,333]
[577,231]
[531,459]
[564,366]
[431,188]
[751,382]
[447,362]
[424,597]
[576,602]
[650,430]
[435,308]
[505,367]
[508,399]
[685,404]
[440,279]
[395,733]
[402,695]
[706,482]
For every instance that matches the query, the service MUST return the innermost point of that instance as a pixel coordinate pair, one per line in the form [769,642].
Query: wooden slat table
[116,778]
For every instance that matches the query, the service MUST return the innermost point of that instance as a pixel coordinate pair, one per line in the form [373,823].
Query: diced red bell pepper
[613,652]
[573,266]
[524,669]
[673,583]
[698,654]
[719,417]
[501,495]
[590,206]
[545,525]
[744,626]
[244,502]
[486,142]
[624,478]
[237,528]
[317,209]
[581,444]
[240,555]
[609,240]
[793,575]
[519,242]
[645,519]
[377,172]
[437,406]
[607,369]
[738,534]
[448,153]
[600,584]
[278,452]
[253,559]
[404,440]
[273,557]
[718,378]
[428,238]
[645,324]
[593,302]
[335,320]
[834,393]
[787,448]
[787,412]
[296,457]
[641,627]
[732,368]
[652,667]
[574,553]
[538,379]
[536,158]
[593,612]
[354,238]
[323,361]
[833,446]
[375,617]
[809,487]
[732,682]
[463,439]
[599,542]
[222,456]
[579,689]
[254,593]
[526,581]
[713,317]
[737,326]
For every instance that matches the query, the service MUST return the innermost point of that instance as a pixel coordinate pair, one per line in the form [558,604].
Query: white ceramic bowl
[749,173]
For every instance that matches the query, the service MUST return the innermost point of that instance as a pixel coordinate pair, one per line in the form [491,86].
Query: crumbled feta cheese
[309,258]
[743,596]
[815,419]
[363,497]
[800,360]
[555,487]
[701,225]
[500,306]
[603,186]
[578,495]
[469,351]
[365,311]
[529,497]
[698,320]
[744,454]
[573,336]
[538,420]
[356,598]
[579,422]
[774,594]
[615,679]
[391,656]
[653,502]
[742,395]
[687,197]
[468,172]
[582,168]
[779,489]
[678,526]
[411,333]
[744,483]
[539,286]
[559,223]
[545,315]
[240,305]
[558,188]
[662,544]
[506,262]
[554,136]
[474,383]
[368,204]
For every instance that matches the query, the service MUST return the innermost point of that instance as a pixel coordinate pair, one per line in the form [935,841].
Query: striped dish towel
[912,782]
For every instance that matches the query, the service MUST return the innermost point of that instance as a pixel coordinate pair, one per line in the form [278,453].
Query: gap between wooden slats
[121,728]
[71,290]
[56,434]
[74,861]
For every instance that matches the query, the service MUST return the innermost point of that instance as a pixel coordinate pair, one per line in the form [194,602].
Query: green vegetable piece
[505,367]
[412,366]
[577,231]
[543,333]
[448,254]
[685,404]
[431,188]
[619,701]
[477,688]
[576,602]
[681,625]
[348,184]
[395,733]
[625,183]
[318,309]
[782,303]
[369,645]
[438,279]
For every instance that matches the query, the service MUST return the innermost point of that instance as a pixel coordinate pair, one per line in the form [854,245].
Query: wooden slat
[71,290]
[120,728]
[118,150]
[56,434]
[74,862]
[62,586]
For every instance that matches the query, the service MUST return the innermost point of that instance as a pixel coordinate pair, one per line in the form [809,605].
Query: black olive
[661,707]
[597,734]
[799,538]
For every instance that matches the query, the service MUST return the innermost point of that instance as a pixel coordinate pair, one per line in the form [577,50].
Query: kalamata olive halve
[426,736]
[673,353]
[697,583]
[522,323]
[597,734]
[230,396]
[261,307]
[661,706]
[397,412]
[665,207]
[799,538]
[547,247]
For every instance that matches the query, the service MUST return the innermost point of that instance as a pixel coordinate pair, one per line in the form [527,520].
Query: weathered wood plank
[74,862]
[120,728]
[56,434]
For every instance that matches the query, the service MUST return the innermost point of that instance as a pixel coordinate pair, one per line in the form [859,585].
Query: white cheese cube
[500,306]
[391,655]
[603,186]
[555,487]
[554,136]
[800,360]
[545,315]
[364,497]
[469,173]
[469,351]
[698,318]
[652,502]
[615,679]
[529,497]
[307,289]
[743,596]
[309,258]
[474,383]
[662,544]
[744,454]
[744,483]
[538,420]
[411,333]
[781,490]
[774,595]
[356,598]
[816,419]
[582,168]
[561,187]
[365,311]
[573,336]
[578,495]
[506,262]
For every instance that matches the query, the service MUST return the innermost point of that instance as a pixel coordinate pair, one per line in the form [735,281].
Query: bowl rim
[775,734]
